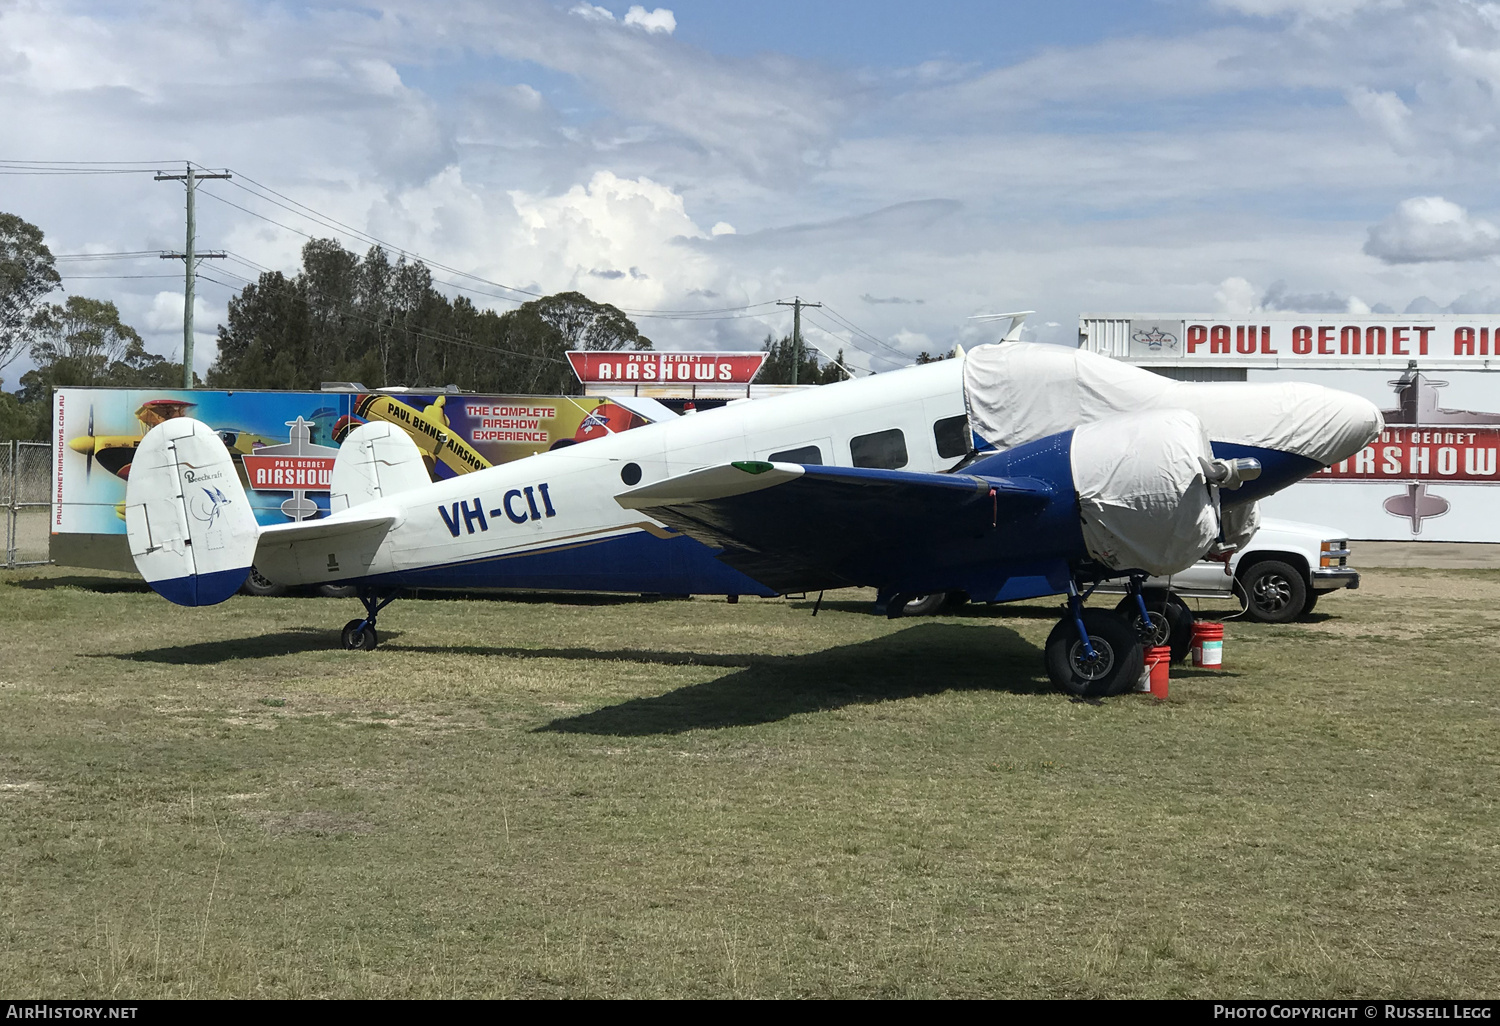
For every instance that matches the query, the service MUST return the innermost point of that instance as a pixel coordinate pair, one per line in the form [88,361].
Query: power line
[862,333]
[111,277]
[134,254]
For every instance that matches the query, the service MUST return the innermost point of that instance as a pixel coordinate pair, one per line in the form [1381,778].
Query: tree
[347,318]
[777,370]
[926,357]
[83,342]
[26,276]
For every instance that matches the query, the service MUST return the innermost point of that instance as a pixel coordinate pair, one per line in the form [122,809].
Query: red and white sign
[1448,453]
[600,367]
[1314,341]
[289,473]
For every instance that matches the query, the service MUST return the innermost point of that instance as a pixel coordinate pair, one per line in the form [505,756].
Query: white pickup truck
[1278,577]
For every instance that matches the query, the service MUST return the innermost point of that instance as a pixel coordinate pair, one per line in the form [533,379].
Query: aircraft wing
[799,528]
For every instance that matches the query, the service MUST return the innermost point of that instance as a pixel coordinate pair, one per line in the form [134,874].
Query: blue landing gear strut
[359,635]
[1092,653]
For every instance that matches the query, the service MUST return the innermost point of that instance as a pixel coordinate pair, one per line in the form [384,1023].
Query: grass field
[600,797]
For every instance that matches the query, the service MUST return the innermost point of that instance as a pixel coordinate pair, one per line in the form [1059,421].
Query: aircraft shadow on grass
[100,585]
[261,646]
[922,660]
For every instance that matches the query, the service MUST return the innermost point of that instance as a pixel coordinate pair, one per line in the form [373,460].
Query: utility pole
[190,258]
[796,304]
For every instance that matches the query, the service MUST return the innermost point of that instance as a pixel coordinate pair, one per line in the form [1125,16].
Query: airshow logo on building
[1154,339]
[1423,445]
[596,367]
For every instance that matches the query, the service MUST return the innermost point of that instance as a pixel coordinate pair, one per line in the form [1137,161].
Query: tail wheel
[1117,659]
[359,636]
[1171,622]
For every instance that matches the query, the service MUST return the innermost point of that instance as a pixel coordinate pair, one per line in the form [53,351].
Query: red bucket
[1208,645]
[1158,662]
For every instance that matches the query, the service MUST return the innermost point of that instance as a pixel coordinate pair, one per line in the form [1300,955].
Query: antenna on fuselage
[1017,321]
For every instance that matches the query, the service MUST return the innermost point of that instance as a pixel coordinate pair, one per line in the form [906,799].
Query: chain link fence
[24,486]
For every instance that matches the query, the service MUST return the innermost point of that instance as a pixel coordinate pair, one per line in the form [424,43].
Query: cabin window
[952,436]
[883,450]
[807,455]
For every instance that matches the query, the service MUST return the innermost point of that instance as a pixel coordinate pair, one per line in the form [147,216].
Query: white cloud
[1430,228]
[593,12]
[1321,9]
[1386,111]
[1235,296]
[659,20]
[722,228]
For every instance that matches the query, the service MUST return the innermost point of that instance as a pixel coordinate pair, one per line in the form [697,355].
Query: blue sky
[908,165]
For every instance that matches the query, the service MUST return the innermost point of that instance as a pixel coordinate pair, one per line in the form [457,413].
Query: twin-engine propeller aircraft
[1013,472]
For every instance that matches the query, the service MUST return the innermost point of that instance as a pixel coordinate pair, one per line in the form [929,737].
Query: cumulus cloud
[1235,296]
[659,20]
[1430,228]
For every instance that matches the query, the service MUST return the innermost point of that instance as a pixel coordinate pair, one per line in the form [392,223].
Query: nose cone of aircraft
[1352,423]
[1294,429]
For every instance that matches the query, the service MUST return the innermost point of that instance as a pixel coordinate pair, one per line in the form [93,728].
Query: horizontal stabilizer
[376,461]
[191,531]
[795,527]
[334,548]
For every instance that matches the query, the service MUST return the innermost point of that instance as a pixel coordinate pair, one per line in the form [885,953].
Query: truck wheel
[259,584]
[1171,622]
[1312,600]
[1117,661]
[1275,592]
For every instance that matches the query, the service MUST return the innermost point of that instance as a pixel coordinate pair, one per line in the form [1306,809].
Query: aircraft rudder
[191,531]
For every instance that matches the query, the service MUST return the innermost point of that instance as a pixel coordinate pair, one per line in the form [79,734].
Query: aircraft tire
[1172,622]
[337,590]
[356,640]
[259,584]
[926,605]
[1117,647]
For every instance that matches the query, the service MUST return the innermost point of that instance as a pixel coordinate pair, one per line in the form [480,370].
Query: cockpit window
[883,450]
[807,455]
[952,436]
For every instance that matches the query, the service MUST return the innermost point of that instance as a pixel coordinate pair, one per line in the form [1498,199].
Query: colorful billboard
[284,443]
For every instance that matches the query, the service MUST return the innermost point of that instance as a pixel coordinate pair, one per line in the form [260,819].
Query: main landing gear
[1095,653]
[359,635]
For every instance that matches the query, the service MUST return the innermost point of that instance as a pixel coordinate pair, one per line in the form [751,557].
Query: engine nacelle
[1143,490]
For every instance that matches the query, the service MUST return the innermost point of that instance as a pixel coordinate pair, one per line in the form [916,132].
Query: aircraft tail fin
[376,461]
[192,532]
